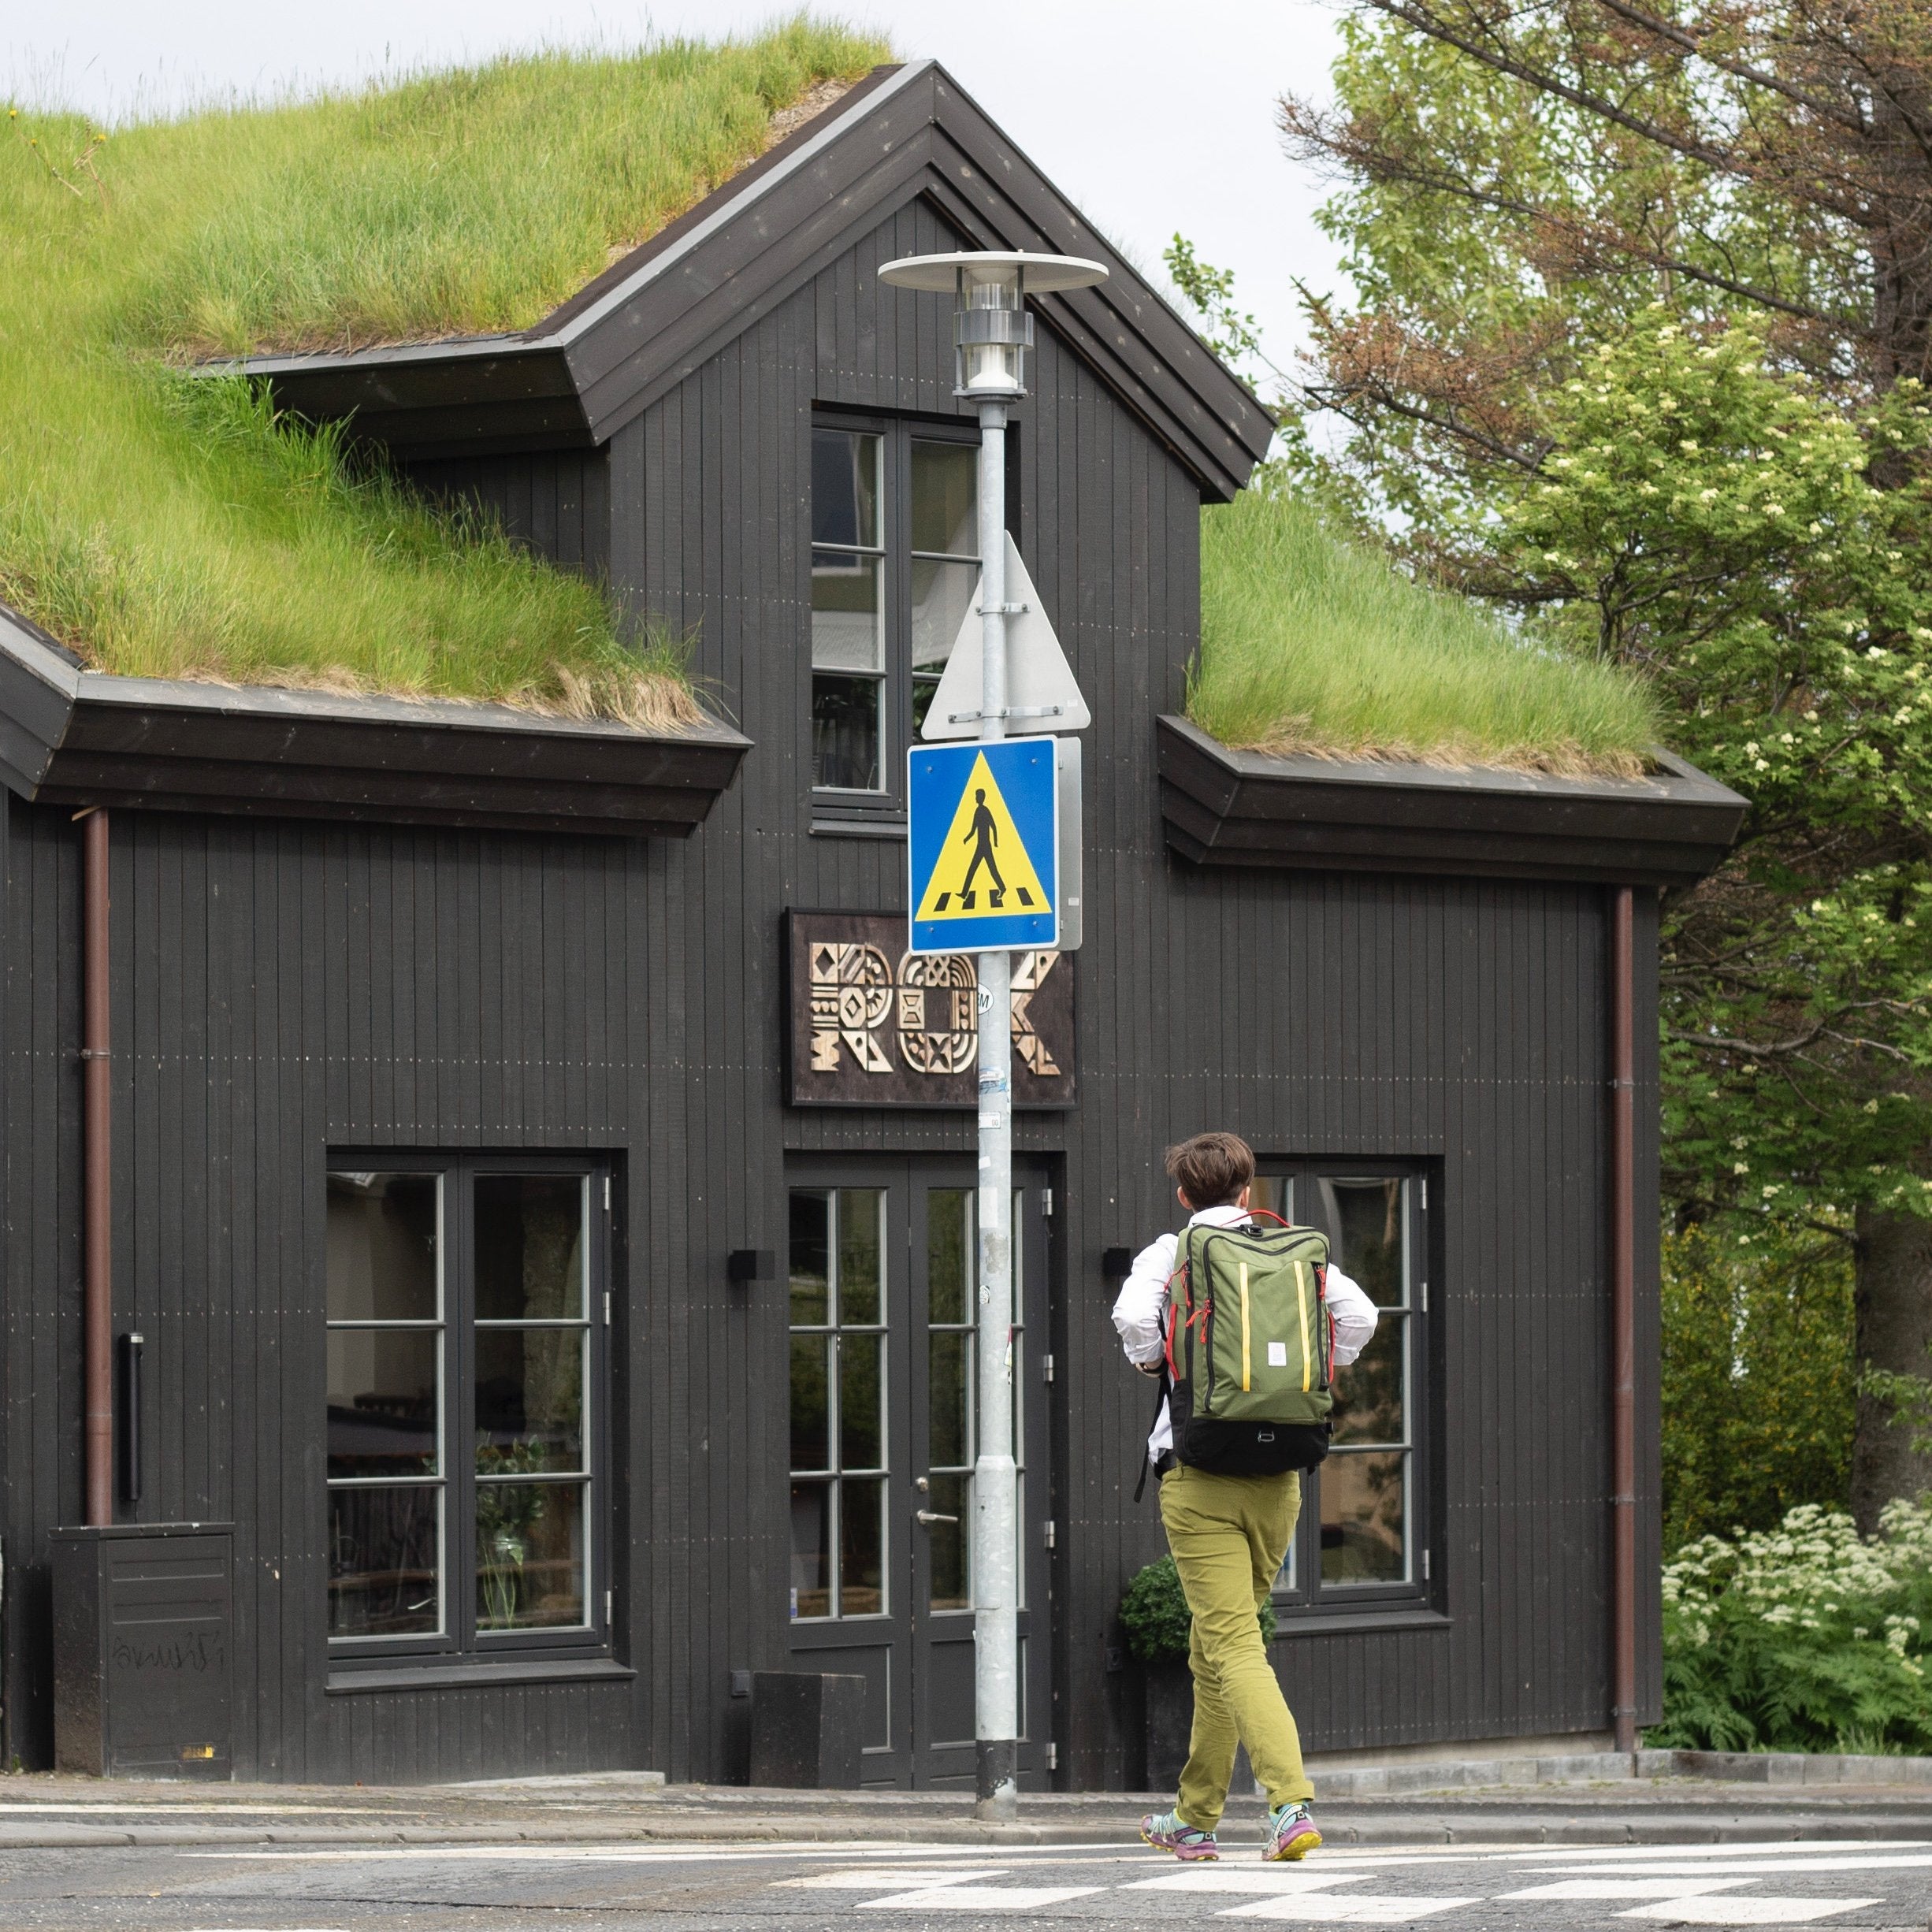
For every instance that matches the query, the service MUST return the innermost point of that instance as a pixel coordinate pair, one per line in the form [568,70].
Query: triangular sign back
[1038,677]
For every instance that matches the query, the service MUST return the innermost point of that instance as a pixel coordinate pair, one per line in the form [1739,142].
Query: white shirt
[1140,1314]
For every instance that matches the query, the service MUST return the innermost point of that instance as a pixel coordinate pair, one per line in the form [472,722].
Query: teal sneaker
[1165,1832]
[1291,1832]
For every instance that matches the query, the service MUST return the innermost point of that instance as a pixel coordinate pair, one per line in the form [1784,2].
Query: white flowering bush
[1807,1637]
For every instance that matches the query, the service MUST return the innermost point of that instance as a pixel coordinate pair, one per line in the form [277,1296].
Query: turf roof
[161,525]
[1312,643]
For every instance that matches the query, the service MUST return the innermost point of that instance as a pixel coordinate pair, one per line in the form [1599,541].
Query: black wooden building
[463,1062]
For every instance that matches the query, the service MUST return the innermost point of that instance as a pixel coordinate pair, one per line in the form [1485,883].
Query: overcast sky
[1154,115]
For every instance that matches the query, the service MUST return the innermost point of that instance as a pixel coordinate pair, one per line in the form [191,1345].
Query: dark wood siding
[281,988]
[556,502]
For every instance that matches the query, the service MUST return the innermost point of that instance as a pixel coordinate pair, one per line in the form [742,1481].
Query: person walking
[1229,1532]
[984,835]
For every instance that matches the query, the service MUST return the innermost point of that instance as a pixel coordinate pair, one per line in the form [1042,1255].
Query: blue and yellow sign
[984,845]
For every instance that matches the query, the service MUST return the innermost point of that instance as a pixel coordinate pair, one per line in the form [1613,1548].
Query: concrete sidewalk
[1774,1801]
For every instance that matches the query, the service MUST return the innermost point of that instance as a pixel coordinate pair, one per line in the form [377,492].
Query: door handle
[933,1516]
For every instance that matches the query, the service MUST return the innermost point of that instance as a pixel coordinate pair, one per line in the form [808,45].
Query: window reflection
[848,611]
[1358,1505]
[837,1399]
[384,1286]
[1364,1519]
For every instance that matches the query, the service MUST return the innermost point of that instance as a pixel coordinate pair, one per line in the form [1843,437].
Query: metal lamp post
[992,332]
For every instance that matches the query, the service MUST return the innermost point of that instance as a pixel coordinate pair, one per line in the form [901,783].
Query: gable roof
[652,318]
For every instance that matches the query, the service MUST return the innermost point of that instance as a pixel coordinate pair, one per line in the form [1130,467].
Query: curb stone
[1415,1829]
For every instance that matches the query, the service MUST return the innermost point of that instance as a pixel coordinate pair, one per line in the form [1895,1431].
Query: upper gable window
[894,557]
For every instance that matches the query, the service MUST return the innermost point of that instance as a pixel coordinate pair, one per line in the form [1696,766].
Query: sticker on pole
[983,845]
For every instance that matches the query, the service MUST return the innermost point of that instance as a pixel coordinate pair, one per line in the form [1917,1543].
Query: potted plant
[1155,1616]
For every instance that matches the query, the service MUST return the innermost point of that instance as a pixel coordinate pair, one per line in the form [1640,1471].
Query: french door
[883,1275]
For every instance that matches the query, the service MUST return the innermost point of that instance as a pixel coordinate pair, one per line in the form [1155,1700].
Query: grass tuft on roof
[1312,643]
[165,525]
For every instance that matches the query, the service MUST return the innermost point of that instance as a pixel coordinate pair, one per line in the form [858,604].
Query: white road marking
[1681,1868]
[1631,1888]
[1245,1878]
[1353,1908]
[872,1878]
[983,1897]
[1758,1848]
[1748,1911]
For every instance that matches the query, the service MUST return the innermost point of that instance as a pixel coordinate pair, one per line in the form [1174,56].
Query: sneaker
[1165,1832]
[1291,1832]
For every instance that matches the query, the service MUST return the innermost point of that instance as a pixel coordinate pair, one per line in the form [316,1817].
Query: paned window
[466,1306]
[952,1344]
[894,558]
[850,1302]
[1362,1539]
[839,1462]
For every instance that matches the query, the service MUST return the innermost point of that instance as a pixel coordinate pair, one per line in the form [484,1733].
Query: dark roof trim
[1226,807]
[71,735]
[647,322]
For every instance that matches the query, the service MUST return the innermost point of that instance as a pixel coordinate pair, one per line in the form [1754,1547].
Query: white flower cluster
[1812,1566]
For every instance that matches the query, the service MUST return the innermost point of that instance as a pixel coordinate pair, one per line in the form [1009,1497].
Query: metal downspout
[97,1298]
[1623,1320]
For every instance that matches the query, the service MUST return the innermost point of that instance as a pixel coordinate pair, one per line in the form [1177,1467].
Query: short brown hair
[1212,1168]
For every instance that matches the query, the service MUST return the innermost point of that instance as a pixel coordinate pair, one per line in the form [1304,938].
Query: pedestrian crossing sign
[983,845]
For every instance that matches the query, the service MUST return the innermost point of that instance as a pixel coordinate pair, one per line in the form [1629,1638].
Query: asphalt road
[484,1888]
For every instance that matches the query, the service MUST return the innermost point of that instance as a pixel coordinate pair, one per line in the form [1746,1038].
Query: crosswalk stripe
[1625,1886]
[1352,1908]
[869,1880]
[1748,1911]
[983,1897]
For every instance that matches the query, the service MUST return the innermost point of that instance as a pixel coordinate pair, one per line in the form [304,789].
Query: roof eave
[71,735]
[1228,808]
[560,381]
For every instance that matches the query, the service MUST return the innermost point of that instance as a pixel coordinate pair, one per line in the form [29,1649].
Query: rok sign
[874,1024]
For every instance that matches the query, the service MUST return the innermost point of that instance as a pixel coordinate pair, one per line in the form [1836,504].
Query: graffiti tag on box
[872,1025]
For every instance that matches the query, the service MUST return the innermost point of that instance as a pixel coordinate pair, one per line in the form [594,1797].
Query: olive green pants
[1229,1535]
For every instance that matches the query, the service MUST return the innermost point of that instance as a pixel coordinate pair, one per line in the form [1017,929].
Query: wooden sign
[872,1024]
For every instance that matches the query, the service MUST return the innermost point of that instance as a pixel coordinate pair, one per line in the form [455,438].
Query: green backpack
[1250,1349]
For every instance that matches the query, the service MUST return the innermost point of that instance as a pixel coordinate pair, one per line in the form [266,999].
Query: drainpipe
[1623,1320]
[96,1295]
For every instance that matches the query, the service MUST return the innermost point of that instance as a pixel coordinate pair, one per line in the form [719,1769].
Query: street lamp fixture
[992,333]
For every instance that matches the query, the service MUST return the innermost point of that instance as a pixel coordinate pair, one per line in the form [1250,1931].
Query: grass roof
[1312,643]
[162,525]
[167,525]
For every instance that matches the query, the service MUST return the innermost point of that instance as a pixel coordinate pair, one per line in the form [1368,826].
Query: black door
[884,1433]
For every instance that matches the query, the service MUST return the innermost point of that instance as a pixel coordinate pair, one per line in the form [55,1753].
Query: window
[850,1305]
[838,1402]
[894,558]
[1361,1541]
[465,1323]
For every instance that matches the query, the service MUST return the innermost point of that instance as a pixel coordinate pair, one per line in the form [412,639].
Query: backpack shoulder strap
[1160,1401]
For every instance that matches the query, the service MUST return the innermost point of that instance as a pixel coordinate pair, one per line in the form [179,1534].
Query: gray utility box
[808,1729]
[144,1650]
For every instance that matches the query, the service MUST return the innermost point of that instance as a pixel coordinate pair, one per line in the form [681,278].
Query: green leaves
[1758,1376]
[1714,522]
[1804,1638]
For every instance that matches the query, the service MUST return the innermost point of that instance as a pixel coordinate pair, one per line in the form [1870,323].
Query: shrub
[1158,1621]
[1808,1637]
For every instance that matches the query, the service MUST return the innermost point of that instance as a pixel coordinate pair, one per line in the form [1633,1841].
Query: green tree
[1642,302]
[1757,1380]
